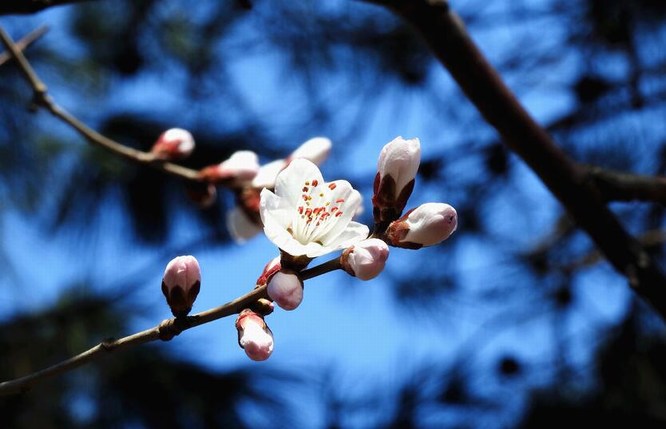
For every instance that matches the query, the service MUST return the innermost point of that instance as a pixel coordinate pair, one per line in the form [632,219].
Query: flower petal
[240,226]
[289,183]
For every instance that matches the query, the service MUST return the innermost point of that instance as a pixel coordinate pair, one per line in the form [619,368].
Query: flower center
[318,207]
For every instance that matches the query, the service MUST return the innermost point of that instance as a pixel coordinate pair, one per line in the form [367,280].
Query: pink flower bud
[254,336]
[426,225]
[365,259]
[286,289]
[316,150]
[240,168]
[175,143]
[181,283]
[396,171]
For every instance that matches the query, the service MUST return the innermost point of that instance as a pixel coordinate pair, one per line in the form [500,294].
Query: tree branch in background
[11,7]
[24,43]
[447,37]
[44,100]
[621,186]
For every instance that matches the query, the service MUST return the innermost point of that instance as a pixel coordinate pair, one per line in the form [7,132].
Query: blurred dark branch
[649,239]
[41,98]
[165,331]
[10,7]
[447,37]
[621,186]
[24,43]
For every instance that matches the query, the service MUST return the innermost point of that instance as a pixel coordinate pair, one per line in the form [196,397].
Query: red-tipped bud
[396,171]
[181,284]
[365,259]
[270,269]
[254,335]
[426,225]
[239,169]
[286,289]
[175,143]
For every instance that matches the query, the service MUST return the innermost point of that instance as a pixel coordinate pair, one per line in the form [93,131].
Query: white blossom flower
[365,259]
[307,216]
[426,225]
[181,283]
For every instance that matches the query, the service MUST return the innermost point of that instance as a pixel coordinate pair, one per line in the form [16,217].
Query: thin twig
[26,41]
[44,100]
[165,331]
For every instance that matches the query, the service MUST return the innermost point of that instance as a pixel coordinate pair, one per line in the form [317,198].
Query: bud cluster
[307,217]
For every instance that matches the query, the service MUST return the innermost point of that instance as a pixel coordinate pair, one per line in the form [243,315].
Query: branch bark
[448,39]
[41,98]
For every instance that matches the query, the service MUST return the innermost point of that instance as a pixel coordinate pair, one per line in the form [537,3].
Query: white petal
[315,149]
[290,181]
[353,233]
[240,226]
[267,174]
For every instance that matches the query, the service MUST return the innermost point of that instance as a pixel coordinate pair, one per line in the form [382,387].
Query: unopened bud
[286,289]
[175,143]
[396,171]
[254,335]
[316,150]
[365,259]
[240,168]
[181,283]
[426,225]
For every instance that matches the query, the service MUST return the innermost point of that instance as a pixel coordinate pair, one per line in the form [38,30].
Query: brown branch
[11,7]
[165,331]
[448,39]
[622,186]
[22,44]
[41,98]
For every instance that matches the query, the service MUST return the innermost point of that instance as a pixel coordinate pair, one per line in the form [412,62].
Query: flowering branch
[447,37]
[42,99]
[165,331]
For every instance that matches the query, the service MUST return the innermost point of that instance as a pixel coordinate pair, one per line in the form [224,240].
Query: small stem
[24,43]
[165,331]
[42,99]
[328,266]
